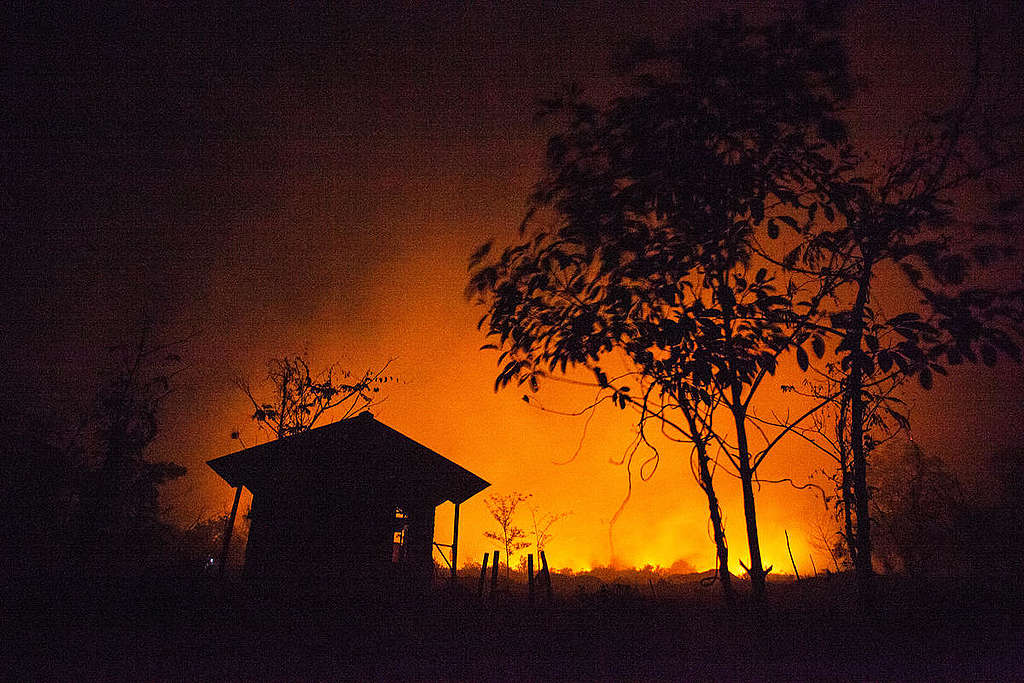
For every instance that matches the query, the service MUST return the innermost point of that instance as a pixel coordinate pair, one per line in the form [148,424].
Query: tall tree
[639,235]
[903,220]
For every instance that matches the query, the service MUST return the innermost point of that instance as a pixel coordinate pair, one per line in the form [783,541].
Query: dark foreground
[69,629]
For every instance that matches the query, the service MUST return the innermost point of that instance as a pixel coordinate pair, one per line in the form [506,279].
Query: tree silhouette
[541,526]
[513,538]
[299,397]
[902,217]
[828,431]
[638,238]
[119,502]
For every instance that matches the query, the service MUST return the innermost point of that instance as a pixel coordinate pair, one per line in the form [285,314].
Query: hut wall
[420,545]
[344,537]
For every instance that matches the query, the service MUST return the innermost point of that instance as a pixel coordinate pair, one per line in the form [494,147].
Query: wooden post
[227,533]
[494,574]
[547,574]
[791,555]
[455,543]
[483,576]
[529,574]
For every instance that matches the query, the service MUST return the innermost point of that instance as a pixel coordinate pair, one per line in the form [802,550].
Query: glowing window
[399,526]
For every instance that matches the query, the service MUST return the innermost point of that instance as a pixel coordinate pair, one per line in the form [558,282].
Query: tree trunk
[862,558]
[846,480]
[714,511]
[755,570]
[848,503]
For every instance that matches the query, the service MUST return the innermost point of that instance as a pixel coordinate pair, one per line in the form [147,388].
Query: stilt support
[227,533]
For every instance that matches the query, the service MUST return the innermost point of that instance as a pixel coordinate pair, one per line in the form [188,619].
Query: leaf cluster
[300,397]
[657,199]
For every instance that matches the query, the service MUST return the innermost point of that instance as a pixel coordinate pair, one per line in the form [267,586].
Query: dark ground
[69,629]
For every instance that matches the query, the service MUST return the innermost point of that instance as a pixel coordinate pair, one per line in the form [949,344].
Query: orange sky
[307,182]
[443,398]
[380,231]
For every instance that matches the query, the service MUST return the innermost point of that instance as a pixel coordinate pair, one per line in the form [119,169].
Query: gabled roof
[360,450]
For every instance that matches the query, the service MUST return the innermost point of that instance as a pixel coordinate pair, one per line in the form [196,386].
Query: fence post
[792,561]
[455,545]
[547,574]
[494,574]
[229,528]
[529,574]
[483,577]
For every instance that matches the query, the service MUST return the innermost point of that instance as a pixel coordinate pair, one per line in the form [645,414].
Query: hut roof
[359,450]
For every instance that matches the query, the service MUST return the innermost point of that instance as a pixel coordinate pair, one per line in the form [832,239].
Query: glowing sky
[316,180]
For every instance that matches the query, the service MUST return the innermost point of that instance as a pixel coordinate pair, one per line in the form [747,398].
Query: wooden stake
[812,565]
[455,543]
[483,576]
[494,573]
[791,555]
[227,534]
[529,574]
[547,574]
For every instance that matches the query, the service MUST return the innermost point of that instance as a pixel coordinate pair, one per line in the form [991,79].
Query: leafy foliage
[300,397]
[655,203]
[903,217]
[715,221]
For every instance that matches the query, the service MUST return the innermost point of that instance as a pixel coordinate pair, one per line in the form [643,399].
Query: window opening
[400,529]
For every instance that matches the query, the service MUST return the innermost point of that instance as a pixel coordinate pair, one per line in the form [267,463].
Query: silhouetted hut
[352,501]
